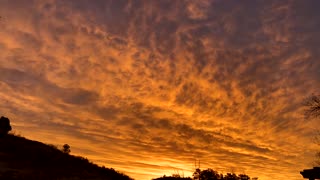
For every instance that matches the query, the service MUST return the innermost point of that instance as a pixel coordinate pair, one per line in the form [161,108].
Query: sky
[148,87]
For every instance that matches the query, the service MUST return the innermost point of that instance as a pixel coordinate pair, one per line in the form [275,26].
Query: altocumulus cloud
[147,87]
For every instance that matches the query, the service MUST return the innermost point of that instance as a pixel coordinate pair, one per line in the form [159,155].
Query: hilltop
[24,159]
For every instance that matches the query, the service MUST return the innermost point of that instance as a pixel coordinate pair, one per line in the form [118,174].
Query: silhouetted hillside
[25,159]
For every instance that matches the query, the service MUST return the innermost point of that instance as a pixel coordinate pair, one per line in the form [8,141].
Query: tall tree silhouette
[312,105]
[312,110]
[5,126]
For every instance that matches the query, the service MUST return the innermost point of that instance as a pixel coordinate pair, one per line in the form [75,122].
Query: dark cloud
[38,86]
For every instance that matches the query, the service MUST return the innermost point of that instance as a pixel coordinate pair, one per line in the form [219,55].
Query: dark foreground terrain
[23,159]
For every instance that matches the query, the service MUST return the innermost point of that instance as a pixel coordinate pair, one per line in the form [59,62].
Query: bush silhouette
[4,125]
[66,149]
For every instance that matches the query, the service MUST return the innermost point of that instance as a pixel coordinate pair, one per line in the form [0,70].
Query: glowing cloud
[147,87]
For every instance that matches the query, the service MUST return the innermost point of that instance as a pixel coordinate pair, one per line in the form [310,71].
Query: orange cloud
[147,87]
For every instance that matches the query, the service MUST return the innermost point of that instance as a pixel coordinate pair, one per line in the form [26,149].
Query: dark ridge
[24,159]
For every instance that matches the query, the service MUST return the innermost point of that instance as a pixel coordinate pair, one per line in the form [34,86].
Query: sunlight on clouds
[147,87]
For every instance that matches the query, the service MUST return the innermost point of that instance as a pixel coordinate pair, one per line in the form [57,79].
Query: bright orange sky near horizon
[149,86]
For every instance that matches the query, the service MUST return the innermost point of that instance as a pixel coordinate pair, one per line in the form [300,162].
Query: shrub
[5,126]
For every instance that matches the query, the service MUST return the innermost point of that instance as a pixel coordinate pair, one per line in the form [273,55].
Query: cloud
[37,86]
[162,83]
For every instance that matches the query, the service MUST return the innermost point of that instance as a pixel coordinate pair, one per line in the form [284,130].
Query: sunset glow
[148,87]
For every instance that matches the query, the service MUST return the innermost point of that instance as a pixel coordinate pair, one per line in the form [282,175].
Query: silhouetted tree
[312,105]
[312,110]
[66,149]
[244,177]
[172,178]
[5,126]
[231,176]
[196,174]
[209,174]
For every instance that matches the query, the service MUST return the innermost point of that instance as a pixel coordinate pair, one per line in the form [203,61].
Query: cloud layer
[147,87]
